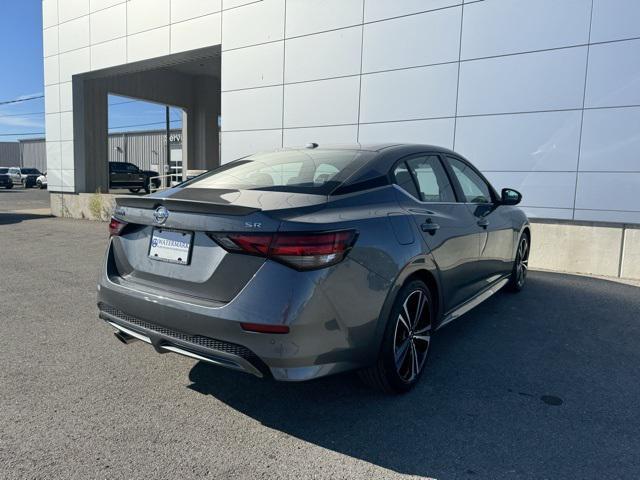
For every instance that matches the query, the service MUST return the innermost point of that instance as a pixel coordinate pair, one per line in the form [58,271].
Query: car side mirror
[510,197]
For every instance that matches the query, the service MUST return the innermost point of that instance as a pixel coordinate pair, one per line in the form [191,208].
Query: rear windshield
[298,171]
[30,171]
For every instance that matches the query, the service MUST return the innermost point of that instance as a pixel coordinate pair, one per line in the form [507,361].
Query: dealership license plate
[171,246]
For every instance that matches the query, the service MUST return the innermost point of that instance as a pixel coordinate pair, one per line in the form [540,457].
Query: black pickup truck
[128,175]
[5,179]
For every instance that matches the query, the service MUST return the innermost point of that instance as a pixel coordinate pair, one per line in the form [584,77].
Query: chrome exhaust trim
[127,336]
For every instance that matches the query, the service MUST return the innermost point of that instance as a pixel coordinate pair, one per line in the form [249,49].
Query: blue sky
[22,76]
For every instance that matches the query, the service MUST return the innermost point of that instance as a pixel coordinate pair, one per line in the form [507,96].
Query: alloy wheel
[412,336]
[522,266]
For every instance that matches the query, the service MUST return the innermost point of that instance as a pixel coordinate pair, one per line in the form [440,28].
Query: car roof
[374,147]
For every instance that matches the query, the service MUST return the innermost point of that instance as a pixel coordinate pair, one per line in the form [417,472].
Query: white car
[41,181]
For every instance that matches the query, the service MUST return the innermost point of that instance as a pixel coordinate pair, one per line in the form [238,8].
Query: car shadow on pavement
[541,384]
[12,218]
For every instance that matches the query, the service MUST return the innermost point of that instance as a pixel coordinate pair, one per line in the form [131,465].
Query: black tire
[518,277]
[405,345]
[147,190]
[9,186]
[134,190]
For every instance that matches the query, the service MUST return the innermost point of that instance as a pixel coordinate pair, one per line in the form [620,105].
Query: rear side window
[424,177]
[405,180]
[298,171]
[474,188]
[4,170]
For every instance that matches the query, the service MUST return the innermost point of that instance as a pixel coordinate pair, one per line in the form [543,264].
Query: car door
[117,175]
[15,175]
[447,226]
[493,222]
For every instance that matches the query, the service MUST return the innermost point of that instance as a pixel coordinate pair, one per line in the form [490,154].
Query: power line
[22,114]
[143,124]
[20,134]
[18,100]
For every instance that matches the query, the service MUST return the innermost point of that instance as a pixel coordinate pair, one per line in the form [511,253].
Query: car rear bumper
[326,334]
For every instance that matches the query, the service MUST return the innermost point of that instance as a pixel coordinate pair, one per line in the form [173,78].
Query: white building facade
[541,95]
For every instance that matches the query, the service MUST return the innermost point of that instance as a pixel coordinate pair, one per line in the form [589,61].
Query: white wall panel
[260,108]
[428,38]
[52,98]
[437,132]
[54,160]
[109,24]
[311,16]
[50,41]
[608,191]
[324,55]
[611,140]
[101,4]
[327,102]
[74,62]
[607,216]
[74,34]
[52,127]
[146,14]
[250,67]
[527,142]
[51,70]
[153,43]
[539,189]
[615,20]
[185,9]
[49,13]
[227,4]
[381,9]
[66,149]
[70,9]
[613,78]
[298,137]
[240,144]
[109,54]
[54,176]
[416,93]
[520,83]
[66,97]
[68,180]
[196,33]
[66,126]
[252,24]
[555,213]
[498,27]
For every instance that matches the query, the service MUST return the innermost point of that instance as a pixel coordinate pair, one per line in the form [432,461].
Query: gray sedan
[306,262]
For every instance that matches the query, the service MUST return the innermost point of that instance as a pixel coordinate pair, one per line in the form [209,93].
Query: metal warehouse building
[543,96]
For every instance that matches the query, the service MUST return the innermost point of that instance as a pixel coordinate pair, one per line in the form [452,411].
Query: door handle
[483,222]
[430,227]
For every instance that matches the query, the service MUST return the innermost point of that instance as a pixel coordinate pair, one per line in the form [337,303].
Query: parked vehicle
[128,175]
[29,176]
[41,181]
[302,263]
[15,175]
[5,178]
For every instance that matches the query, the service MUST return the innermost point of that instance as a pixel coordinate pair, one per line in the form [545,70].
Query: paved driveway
[539,385]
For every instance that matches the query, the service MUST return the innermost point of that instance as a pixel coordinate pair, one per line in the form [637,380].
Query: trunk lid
[212,274]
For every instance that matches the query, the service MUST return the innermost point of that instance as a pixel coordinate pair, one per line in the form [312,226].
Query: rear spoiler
[183,205]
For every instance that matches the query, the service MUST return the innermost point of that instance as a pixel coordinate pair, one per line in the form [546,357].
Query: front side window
[298,171]
[474,188]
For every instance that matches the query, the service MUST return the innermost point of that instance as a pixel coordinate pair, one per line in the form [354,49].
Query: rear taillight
[116,226]
[302,251]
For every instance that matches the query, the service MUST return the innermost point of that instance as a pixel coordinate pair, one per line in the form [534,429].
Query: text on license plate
[171,246]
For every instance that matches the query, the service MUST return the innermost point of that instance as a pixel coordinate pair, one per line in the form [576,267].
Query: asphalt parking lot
[539,385]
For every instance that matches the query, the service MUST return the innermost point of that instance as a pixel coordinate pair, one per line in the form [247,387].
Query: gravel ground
[539,385]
